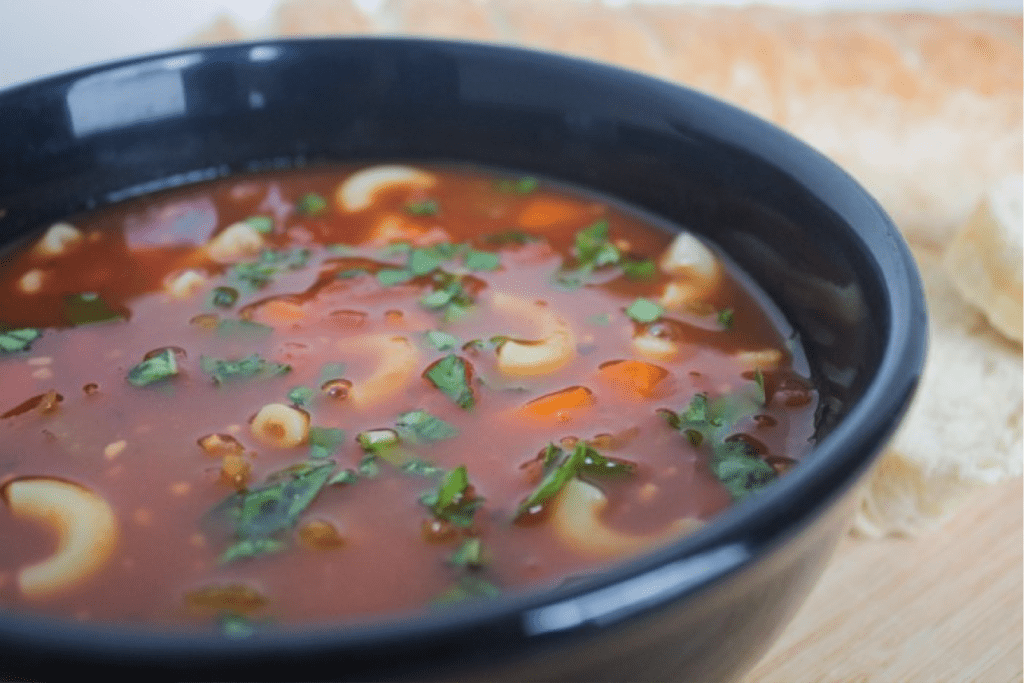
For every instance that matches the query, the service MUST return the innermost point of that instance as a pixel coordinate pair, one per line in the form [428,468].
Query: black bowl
[703,609]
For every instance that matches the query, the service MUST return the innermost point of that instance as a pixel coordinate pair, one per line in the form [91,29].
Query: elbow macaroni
[83,521]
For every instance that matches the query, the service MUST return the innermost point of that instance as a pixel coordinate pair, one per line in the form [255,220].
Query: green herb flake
[512,237]
[324,441]
[13,341]
[422,468]
[377,440]
[258,274]
[423,261]
[389,277]
[236,626]
[261,514]
[740,471]
[469,587]
[311,204]
[561,470]
[250,547]
[250,367]
[523,185]
[639,269]
[442,341]
[725,318]
[713,424]
[481,260]
[419,426]
[560,467]
[87,308]
[156,368]
[300,396]
[343,477]
[451,376]
[368,467]
[351,273]
[224,297]
[452,501]
[592,247]
[469,554]
[439,298]
[426,207]
[644,311]
[261,224]
[602,319]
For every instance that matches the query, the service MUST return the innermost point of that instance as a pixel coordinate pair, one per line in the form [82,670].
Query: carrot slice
[543,213]
[281,310]
[561,405]
[634,378]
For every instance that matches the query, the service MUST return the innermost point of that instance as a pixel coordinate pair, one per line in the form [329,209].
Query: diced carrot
[544,212]
[634,378]
[560,405]
[283,310]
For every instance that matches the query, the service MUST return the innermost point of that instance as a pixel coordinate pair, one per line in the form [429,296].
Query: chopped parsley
[156,368]
[311,204]
[250,367]
[449,296]
[712,424]
[343,477]
[384,444]
[469,554]
[260,515]
[512,236]
[419,426]
[481,260]
[451,376]
[725,318]
[454,501]
[469,587]
[12,341]
[442,341]
[644,311]
[300,396]
[560,466]
[422,468]
[261,224]
[258,274]
[224,297]
[389,277]
[524,185]
[592,251]
[324,441]
[426,207]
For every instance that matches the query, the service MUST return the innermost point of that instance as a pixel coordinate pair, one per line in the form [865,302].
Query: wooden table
[946,606]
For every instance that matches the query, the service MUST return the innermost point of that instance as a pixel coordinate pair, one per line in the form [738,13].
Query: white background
[38,37]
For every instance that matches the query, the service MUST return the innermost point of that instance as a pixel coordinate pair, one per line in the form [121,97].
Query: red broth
[328,394]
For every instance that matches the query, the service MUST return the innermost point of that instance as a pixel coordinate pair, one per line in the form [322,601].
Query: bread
[963,429]
[984,259]
[924,109]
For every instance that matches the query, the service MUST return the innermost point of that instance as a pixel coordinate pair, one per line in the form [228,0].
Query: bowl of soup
[393,358]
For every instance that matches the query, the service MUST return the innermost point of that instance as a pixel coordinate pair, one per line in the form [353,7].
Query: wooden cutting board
[946,606]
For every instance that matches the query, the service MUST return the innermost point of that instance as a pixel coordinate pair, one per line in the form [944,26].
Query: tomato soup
[337,393]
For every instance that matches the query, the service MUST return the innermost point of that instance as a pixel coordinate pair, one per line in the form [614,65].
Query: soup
[335,393]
